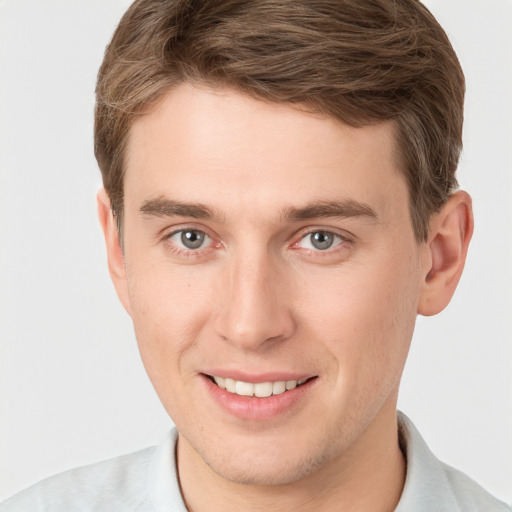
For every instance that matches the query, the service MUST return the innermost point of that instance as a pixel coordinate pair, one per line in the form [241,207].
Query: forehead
[214,146]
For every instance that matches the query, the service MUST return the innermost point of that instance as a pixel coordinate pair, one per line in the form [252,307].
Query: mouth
[257,389]
[260,397]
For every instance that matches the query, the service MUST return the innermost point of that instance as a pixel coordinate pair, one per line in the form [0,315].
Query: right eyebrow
[163,207]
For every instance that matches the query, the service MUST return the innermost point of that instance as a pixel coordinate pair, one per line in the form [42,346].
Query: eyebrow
[337,209]
[163,207]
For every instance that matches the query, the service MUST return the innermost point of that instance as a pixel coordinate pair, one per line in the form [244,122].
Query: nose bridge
[251,311]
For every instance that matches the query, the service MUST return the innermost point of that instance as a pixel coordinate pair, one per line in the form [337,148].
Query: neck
[368,476]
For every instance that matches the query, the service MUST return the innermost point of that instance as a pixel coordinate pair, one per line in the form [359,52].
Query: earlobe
[115,256]
[449,236]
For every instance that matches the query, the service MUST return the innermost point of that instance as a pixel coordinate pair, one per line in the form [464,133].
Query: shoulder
[469,494]
[432,485]
[118,484]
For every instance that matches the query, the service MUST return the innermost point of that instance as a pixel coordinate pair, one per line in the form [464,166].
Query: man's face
[268,248]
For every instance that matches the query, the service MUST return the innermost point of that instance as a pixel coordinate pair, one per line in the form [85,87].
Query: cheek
[169,310]
[365,317]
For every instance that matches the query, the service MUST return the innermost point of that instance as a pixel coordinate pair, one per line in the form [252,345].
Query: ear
[446,248]
[116,263]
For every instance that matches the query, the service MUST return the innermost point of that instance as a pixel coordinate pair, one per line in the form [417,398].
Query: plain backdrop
[73,390]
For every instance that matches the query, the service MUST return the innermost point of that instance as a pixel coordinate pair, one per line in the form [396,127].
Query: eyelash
[342,240]
[337,240]
[184,251]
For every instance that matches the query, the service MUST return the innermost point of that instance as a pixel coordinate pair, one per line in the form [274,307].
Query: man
[279,206]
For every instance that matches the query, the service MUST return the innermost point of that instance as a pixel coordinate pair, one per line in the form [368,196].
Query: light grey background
[72,388]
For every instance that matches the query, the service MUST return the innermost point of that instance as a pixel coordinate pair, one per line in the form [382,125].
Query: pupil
[192,239]
[322,240]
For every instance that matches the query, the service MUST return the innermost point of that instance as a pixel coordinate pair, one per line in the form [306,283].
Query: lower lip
[254,408]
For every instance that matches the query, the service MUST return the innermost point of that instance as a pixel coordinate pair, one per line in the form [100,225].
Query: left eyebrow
[340,209]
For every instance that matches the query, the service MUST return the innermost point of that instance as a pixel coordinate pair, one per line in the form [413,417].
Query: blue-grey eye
[320,240]
[192,239]
[189,238]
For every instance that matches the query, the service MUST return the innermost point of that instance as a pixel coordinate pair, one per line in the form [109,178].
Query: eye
[320,240]
[190,239]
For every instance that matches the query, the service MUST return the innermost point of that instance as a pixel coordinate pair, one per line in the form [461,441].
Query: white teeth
[220,381]
[263,389]
[291,384]
[244,388]
[278,387]
[230,385]
[260,389]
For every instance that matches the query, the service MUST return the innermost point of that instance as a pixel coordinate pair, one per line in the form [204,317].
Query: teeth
[291,384]
[260,390]
[230,385]
[263,389]
[220,381]
[244,388]
[278,387]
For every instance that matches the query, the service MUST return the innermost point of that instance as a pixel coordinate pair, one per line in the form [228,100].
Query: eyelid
[174,233]
[336,253]
[167,233]
[334,244]
[343,234]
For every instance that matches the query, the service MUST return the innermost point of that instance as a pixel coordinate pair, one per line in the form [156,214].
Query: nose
[253,310]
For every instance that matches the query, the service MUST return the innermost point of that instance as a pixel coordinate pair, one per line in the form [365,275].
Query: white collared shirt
[146,481]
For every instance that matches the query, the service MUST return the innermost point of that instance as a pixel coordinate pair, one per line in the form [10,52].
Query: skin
[258,298]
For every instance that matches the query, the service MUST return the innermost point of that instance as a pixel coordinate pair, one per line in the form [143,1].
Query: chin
[266,467]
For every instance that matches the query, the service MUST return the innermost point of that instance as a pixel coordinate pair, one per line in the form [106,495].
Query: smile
[259,389]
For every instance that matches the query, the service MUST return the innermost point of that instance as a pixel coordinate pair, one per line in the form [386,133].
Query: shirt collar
[163,483]
[425,483]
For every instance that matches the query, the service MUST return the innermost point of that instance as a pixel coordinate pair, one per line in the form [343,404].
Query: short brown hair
[360,61]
